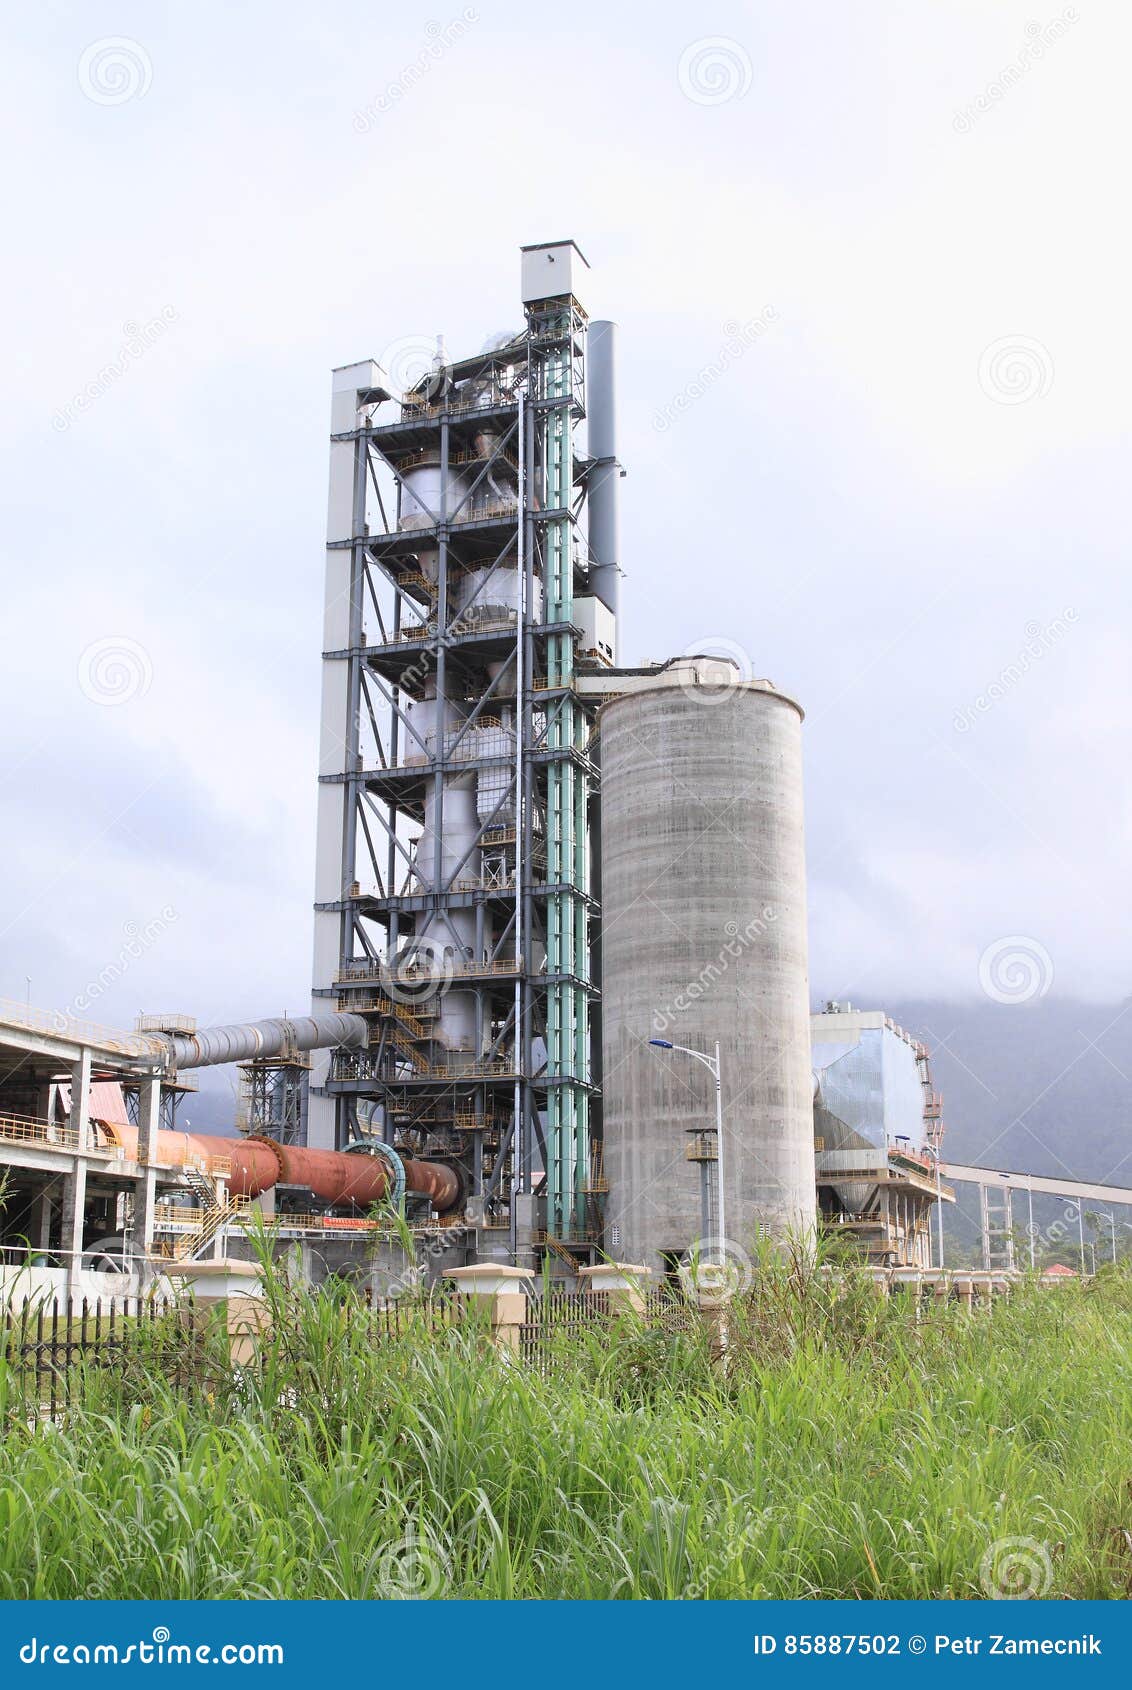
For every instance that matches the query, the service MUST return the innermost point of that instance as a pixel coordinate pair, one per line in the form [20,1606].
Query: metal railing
[58,1025]
[437,976]
[45,1345]
[27,1129]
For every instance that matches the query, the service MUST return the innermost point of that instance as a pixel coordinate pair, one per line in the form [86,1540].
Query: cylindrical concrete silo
[704,939]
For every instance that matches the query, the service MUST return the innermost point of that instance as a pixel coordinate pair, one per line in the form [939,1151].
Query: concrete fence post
[623,1283]
[230,1287]
[709,1289]
[964,1288]
[502,1291]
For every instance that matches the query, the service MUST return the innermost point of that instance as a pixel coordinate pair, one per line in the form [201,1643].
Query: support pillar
[80,1101]
[338,743]
[149,1109]
[502,1292]
[230,1290]
[708,1288]
[622,1283]
[74,1210]
[39,1222]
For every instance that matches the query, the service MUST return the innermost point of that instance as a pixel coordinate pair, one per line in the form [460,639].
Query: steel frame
[516,1108]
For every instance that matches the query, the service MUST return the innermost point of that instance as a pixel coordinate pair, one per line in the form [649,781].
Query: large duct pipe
[603,498]
[336,1177]
[246,1040]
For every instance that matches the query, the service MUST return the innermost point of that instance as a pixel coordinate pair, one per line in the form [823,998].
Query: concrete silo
[703,940]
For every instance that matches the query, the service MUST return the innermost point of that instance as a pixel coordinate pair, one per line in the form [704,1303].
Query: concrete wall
[704,938]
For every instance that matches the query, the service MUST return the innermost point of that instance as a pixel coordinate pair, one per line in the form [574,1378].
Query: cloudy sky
[872,275]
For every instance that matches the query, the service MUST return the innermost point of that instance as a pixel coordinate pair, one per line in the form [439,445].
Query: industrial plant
[561,1010]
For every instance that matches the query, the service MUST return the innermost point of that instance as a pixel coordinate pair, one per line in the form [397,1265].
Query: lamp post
[934,1151]
[712,1064]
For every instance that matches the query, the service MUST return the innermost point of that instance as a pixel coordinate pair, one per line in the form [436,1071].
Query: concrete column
[502,1291]
[74,1208]
[230,1290]
[713,1297]
[623,1283]
[39,1227]
[80,1100]
[334,868]
[149,1109]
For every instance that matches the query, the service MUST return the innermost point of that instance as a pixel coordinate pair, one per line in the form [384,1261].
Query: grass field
[850,1450]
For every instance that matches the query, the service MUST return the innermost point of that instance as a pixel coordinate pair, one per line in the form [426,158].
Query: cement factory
[561,1010]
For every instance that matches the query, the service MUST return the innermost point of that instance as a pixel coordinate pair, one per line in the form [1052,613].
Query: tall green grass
[850,1450]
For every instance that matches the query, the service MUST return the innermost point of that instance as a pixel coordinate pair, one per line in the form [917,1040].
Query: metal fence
[430,1314]
[45,1345]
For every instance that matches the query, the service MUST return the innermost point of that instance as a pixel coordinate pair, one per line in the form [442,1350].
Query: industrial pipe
[603,496]
[246,1040]
[334,1176]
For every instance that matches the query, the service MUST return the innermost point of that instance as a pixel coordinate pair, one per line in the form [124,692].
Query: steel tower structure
[471,579]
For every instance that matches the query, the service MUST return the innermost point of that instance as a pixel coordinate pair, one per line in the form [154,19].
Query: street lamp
[936,1151]
[712,1064]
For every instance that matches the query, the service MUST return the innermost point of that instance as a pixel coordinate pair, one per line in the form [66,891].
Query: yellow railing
[26,1129]
[424,976]
[454,1068]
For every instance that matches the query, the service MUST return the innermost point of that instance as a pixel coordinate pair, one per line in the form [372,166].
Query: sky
[871,271]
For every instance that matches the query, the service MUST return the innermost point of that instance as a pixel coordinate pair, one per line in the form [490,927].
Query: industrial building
[560,904]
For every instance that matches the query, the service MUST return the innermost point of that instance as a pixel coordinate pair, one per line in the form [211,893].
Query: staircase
[215,1212]
[188,1247]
